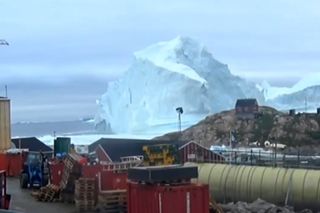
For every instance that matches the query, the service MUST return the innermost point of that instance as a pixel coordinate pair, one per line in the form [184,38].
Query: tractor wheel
[24,181]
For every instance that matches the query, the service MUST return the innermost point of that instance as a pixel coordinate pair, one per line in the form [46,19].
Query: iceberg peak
[167,55]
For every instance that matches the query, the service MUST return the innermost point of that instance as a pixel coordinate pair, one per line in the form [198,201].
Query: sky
[77,46]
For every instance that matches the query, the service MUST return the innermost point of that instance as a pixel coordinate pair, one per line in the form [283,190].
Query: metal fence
[268,158]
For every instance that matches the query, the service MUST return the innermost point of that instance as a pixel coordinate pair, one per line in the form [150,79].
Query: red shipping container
[15,164]
[3,161]
[91,171]
[189,198]
[56,170]
[110,180]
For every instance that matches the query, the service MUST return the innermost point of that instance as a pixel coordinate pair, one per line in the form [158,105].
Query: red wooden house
[195,152]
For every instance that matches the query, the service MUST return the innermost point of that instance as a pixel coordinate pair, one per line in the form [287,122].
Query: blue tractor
[35,171]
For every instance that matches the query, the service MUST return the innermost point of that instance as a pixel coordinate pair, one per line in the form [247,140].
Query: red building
[194,152]
[112,150]
[247,108]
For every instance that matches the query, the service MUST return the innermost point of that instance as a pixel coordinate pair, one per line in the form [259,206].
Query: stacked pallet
[71,172]
[85,194]
[48,193]
[112,201]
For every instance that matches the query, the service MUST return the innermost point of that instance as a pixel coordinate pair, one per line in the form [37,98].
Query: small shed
[33,144]
[195,152]
[247,108]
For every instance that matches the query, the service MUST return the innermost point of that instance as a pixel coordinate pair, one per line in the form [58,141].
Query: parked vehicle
[35,171]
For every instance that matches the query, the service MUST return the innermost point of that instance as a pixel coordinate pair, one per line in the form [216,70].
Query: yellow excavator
[160,154]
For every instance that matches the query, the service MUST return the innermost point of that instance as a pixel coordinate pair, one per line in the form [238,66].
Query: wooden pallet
[85,196]
[87,180]
[85,185]
[85,188]
[85,205]
[113,201]
[68,165]
[48,193]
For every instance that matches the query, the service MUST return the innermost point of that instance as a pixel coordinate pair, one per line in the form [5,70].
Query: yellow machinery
[160,154]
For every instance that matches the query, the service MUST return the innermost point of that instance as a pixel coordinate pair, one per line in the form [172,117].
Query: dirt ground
[22,201]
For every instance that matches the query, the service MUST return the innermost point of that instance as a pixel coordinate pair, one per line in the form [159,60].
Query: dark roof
[246,102]
[32,143]
[117,148]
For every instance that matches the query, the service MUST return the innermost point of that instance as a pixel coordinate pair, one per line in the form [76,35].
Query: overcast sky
[59,40]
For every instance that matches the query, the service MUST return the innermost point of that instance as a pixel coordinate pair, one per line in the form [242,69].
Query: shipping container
[91,171]
[3,161]
[12,163]
[15,163]
[111,180]
[189,198]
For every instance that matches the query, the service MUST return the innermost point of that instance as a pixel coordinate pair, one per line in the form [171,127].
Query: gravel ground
[22,201]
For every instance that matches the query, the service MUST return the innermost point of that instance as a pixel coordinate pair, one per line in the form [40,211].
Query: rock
[258,206]
[299,130]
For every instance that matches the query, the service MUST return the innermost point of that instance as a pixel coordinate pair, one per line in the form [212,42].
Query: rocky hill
[292,130]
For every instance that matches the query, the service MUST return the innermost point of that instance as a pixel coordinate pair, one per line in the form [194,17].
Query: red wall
[12,163]
[202,154]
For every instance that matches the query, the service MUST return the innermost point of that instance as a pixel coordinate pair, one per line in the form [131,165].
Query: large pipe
[299,188]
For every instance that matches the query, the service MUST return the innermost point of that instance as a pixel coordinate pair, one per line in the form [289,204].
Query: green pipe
[299,188]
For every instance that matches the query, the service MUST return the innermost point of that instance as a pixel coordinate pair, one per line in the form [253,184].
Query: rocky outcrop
[292,130]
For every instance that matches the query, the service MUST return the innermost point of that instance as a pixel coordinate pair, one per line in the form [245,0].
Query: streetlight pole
[179,110]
